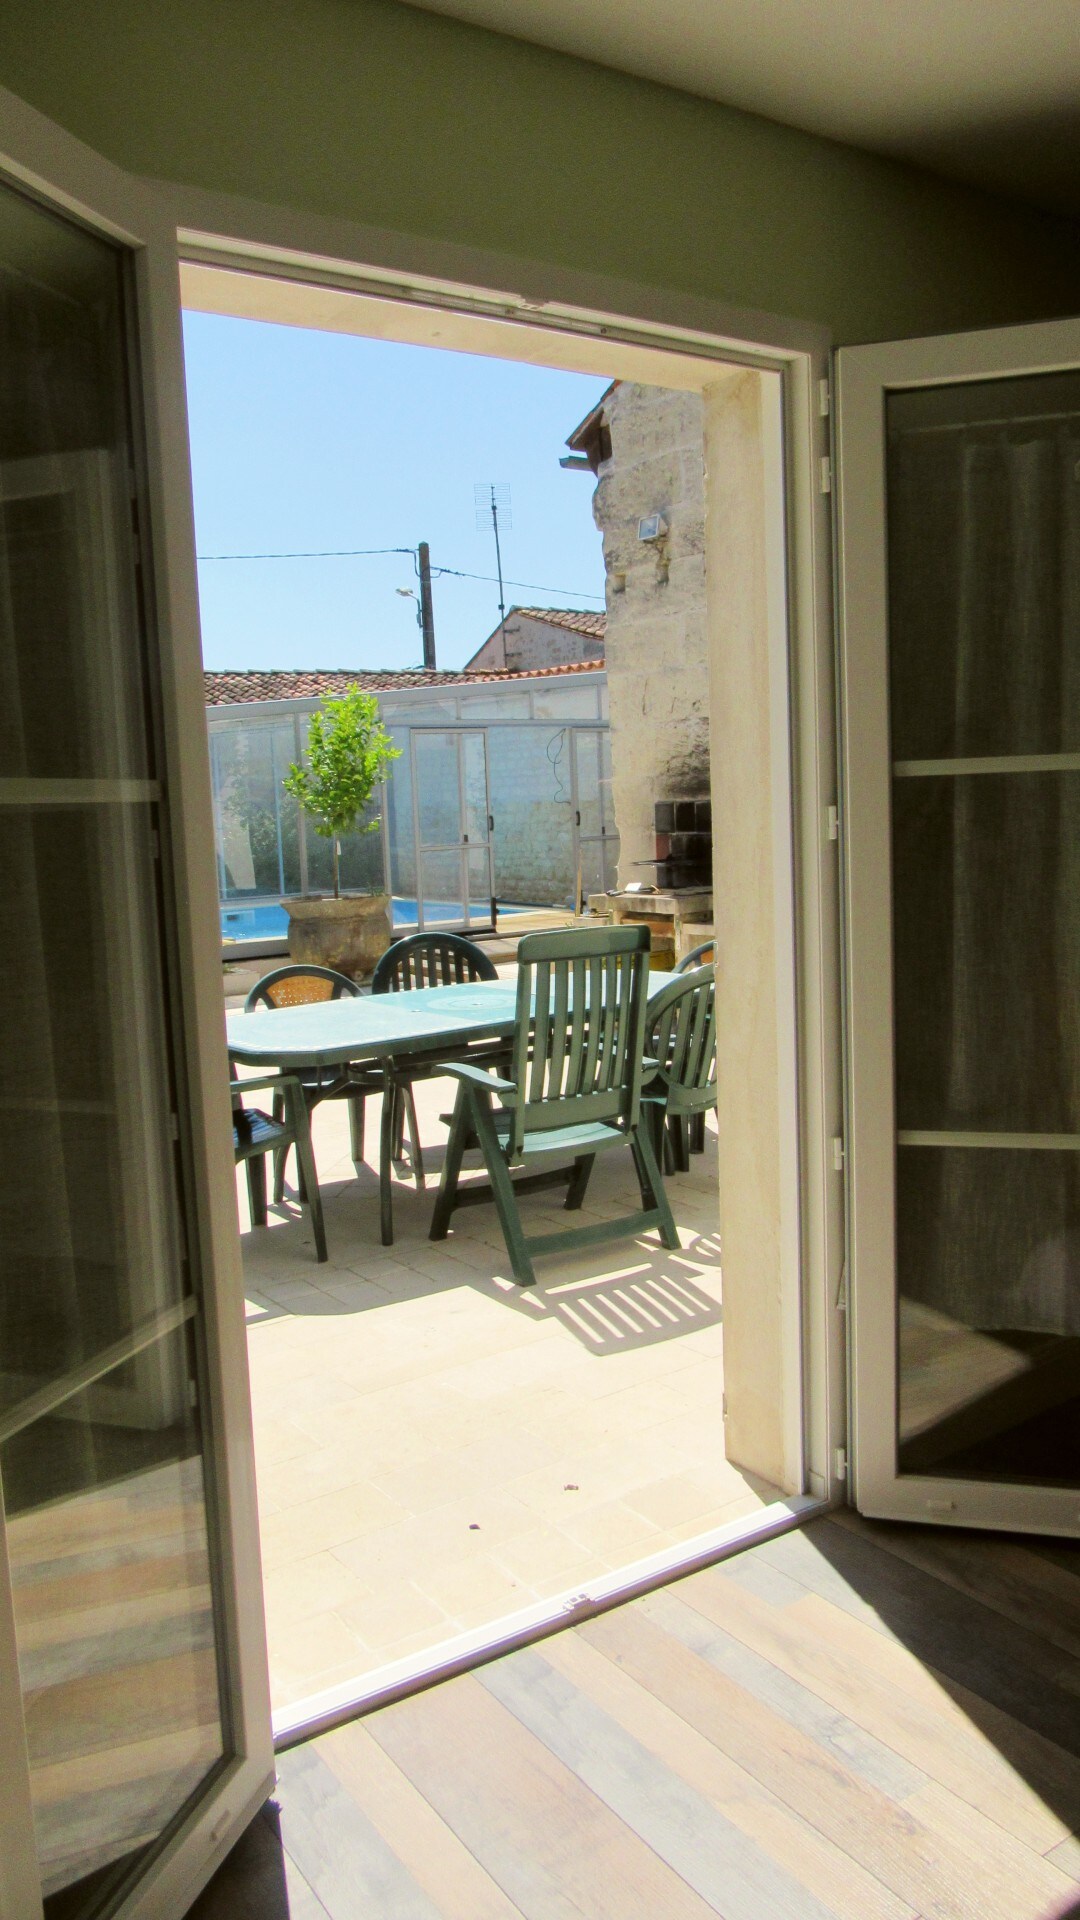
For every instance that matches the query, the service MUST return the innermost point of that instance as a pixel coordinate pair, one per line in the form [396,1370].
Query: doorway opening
[439,1452]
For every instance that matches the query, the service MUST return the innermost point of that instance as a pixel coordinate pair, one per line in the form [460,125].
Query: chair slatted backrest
[431,960]
[680,1035]
[703,956]
[299,985]
[577,1049]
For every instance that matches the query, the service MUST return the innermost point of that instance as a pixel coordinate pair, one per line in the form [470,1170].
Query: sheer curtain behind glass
[100,1442]
[984,554]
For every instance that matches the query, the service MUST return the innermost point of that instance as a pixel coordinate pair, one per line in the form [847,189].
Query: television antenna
[493,509]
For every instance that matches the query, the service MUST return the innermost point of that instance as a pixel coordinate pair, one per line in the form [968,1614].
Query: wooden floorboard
[852,1722]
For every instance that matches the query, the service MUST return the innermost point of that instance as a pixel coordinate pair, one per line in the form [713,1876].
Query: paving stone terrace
[437,1448]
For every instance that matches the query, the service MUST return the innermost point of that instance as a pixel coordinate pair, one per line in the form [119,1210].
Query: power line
[366,553]
[330,553]
[530,586]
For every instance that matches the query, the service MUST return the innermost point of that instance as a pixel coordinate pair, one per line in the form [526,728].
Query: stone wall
[656,644]
[526,642]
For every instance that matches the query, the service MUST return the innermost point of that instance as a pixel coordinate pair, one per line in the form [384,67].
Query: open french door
[960,586]
[134,1715]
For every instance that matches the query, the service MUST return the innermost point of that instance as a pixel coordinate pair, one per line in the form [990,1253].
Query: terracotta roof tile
[594,624]
[254,683]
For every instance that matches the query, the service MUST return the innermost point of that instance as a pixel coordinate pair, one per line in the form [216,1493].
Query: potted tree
[348,754]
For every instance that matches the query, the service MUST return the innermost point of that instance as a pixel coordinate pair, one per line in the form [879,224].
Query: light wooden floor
[436,1447]
[864,1722]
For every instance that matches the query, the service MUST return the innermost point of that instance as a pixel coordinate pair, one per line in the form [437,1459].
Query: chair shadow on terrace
[636,1307]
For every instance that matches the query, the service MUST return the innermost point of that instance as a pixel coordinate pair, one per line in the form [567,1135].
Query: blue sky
[303,440]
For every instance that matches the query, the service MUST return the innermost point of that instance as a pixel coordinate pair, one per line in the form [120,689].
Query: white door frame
[259,262]
[256,261]
[63,174]
[864,375]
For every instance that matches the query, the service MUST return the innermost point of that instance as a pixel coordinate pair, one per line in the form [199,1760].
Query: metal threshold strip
[380,1688]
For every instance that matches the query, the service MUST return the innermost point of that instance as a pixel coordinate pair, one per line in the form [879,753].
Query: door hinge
[840,1463]
[174,1126]
[832,823]
[824,399]
[826,474]
[841,1291]
[838,1153]
[723,1406]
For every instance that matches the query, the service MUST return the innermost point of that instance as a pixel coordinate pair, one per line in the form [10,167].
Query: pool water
[269,921]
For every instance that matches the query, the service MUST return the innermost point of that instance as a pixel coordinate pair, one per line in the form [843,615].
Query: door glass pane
[984,636]
[257,821]
[610,846]
[107,1538]
[478,868]
[475,785]
[402,876]
[71,695]
[591,862]
[441,874]
[589,792]
[438,797]
[88,1213]
[100,1441]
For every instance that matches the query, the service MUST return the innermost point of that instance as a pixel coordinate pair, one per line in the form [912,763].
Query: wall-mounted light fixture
[653,527]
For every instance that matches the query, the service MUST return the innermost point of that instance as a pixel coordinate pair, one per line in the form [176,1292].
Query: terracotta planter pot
[347,934]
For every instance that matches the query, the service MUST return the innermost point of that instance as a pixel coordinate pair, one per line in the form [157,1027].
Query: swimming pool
[269,920]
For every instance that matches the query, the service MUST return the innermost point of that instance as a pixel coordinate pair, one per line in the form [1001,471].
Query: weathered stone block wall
[656,649]
[526,643]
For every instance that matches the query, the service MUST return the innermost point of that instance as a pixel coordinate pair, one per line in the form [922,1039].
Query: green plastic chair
[576,1066]
[680,1083]
[255,1134]
[697,957]
[302,984]
[680,1035]
[420,960]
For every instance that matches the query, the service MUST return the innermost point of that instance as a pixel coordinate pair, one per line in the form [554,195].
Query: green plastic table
[384,1026]
[387,1026]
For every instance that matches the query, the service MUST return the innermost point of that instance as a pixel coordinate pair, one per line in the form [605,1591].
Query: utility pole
[427,612]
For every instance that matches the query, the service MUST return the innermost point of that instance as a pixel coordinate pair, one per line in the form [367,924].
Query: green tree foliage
[348,753]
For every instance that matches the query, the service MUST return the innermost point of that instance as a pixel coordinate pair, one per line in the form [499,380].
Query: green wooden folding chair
[575,1090]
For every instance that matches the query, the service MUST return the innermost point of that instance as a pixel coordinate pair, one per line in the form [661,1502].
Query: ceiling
[986,91]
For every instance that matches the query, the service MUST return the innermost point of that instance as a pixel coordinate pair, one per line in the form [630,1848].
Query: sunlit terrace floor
[437,1448]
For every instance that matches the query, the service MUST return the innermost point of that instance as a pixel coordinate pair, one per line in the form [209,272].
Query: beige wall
[379,113]
[657,639]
